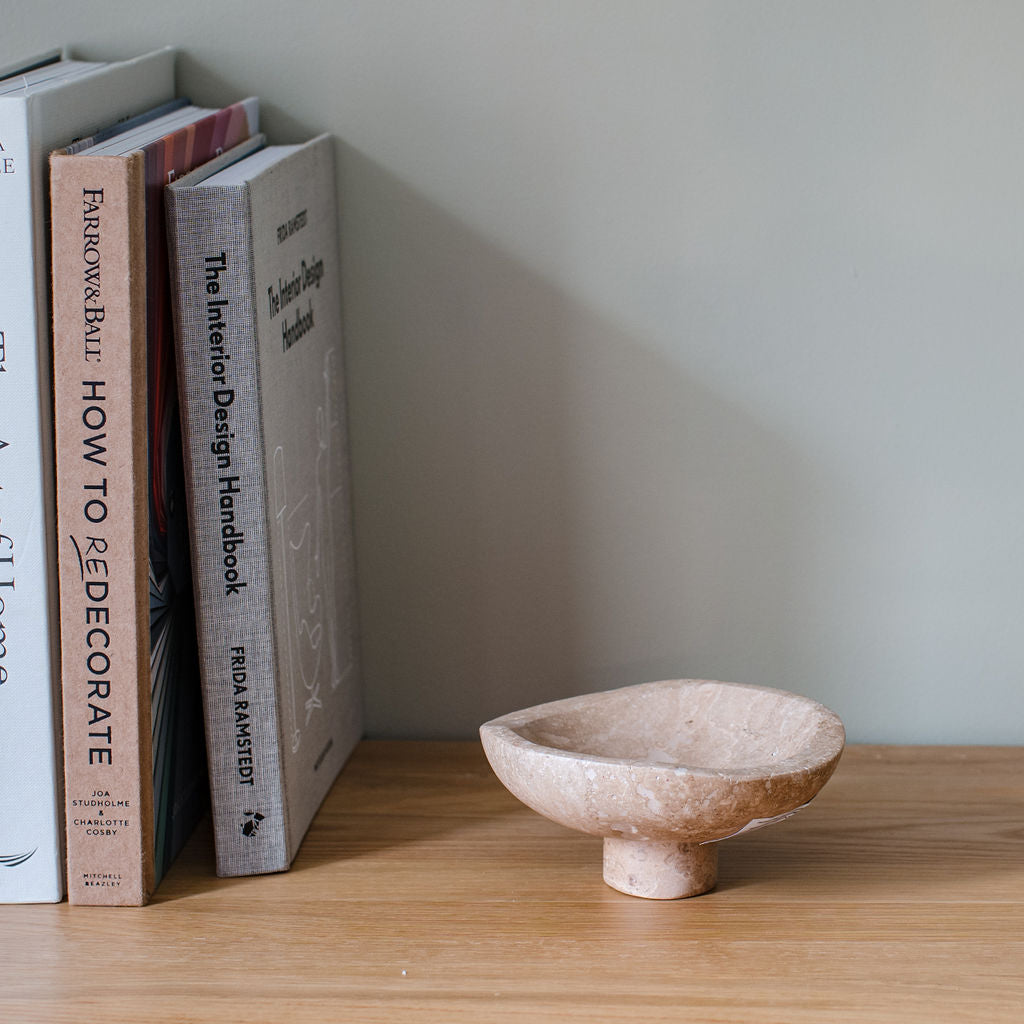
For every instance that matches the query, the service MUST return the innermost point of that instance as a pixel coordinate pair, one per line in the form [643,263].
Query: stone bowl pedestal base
[658,870]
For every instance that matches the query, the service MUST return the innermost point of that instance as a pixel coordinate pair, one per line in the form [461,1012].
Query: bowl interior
[709,726]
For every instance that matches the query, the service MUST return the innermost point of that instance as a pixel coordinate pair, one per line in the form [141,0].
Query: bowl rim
[827,747]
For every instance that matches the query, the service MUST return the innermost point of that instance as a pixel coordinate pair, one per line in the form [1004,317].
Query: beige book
[134,767]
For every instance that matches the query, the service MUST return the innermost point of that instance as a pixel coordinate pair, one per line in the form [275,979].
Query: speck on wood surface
[425,892]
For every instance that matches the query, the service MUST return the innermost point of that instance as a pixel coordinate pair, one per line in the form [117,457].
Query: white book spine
[31,827]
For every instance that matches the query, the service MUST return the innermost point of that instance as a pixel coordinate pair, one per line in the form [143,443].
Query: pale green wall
[683,338]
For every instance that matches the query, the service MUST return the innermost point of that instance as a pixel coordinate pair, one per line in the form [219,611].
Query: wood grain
[426,893]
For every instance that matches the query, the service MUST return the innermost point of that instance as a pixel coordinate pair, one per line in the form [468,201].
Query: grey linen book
[257,307]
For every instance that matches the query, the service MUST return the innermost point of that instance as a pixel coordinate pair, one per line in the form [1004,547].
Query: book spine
[214,303]
[99,316]
[31,841]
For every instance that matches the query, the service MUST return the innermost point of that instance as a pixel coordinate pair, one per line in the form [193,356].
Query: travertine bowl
[664,770]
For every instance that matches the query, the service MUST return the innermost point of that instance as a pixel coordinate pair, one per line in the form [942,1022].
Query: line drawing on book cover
[310,549]
[15,860]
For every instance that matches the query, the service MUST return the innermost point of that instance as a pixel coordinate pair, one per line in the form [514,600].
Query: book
[44,103]
[135,770]
[257,304]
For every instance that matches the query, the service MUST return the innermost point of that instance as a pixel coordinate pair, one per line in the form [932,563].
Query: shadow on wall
[205,86]
[545,505]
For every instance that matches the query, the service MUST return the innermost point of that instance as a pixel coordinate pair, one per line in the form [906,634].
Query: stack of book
[190,502]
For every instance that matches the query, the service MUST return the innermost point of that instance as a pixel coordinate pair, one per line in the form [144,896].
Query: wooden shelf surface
[424,892]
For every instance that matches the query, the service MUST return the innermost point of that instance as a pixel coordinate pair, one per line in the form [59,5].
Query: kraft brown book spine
[100,408]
